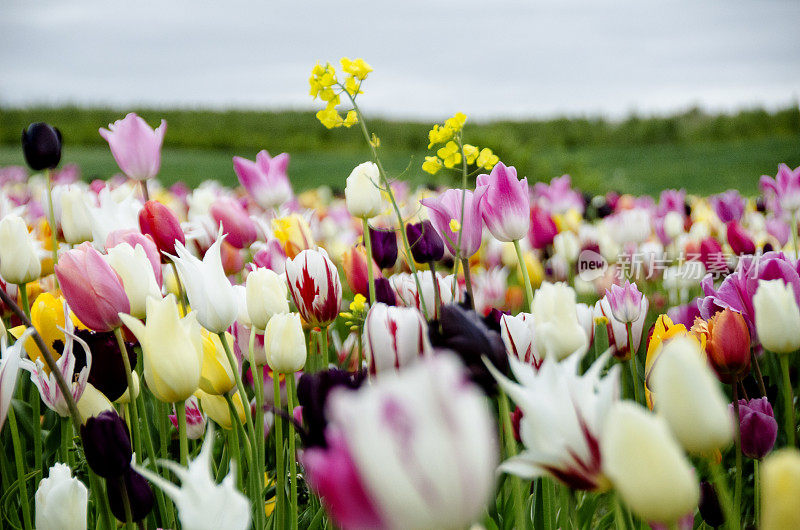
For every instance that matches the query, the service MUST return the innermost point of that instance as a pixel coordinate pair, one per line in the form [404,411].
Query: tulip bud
[216,375]
[161,223]
[285,343]
[266,296]
[76,223]
[315,286]
[555,318]
[384,247]
[689,397]
[542,228]
[758,427]
[625,301]
[92,289]
[739,240]
[567,245]
[777,316]
[673,224]
[646,464]
[361,193]
[140,496]
[384,293]
[518,336]
[780,489]
[425,242]
[136,274]
[41,145]
[728,345]
[394,337]
[354,265]
[19,262]
[107,444]
[136,146]
[294,233]
[506,204]
[61,501]
[265,179]
[240,230]
[216,408]
[135,239]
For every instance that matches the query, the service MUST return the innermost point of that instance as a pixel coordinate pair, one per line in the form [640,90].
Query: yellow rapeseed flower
[359,303]
[329,117]
[456,123]
[352,86]
[432,165]
[439,135]
[450,154]
[358,68]
[470,153]
[351,119]
[487,159]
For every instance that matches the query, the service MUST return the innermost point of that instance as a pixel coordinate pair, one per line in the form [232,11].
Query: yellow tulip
[92,403]
[780,489]
[216,376]
[216,408]
[47,315]
[294,234]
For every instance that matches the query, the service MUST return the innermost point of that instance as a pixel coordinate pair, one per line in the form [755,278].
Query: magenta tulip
[136,147]
[92,289]
[739,240]
[542,228]
[236,224]
[506,205]
[758,427]
[447,208]
[159,222]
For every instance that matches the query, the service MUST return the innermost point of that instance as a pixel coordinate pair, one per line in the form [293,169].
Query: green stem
[325,353]
[151,454]
[136,433]
[280,470]
[525,279]
[66,442]
[370,272]
[19,453]
[34,398]
[634,369]
[233,441]
[258,460]
[243,395]
[180,412]
[467,281]
[390,193]
[126,503]
[97,490]
[737,447]
[145,193]
[511,451]
[292,458]
[788,400]
[52,221]
[437,297]
[724,495]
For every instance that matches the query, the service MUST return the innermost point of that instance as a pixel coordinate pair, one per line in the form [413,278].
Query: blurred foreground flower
[61,501]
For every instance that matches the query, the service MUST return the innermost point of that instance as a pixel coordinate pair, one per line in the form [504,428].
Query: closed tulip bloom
[61,501]
[518,336]
[690,398]
[394,440]
[41,145]
[9,368]
[758,427]
[507,203]
[195,419]
[407,294]
[646,464]
[216,375]
[425,242]
[556,327]
[202,503]
[160,223]
[384,247]
[140,496]
[239,229]
[294,234]
[785,187]
[777,316]
[354,266]
[728,345]
[76,223]
[542,228]
[19,262]
[172,348]
[739,240]
[134,238]
[107,444]
[361,191]
[265,179]
[315,286]
[285,343]
[780,489]
[93,403]
[136,146]
[383,292]
[394,337]
[266,295]
[625,301]
[92,288]
[208,289]
[216,408]
[136,274]
[446,214]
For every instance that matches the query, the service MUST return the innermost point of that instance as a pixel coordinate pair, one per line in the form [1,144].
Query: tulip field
[493,353]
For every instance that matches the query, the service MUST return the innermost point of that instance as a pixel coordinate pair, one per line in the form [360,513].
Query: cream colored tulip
[285,343]
[216,408]
[267,295]
[19,262]
[136,273]
[92,403]
[361,192]
[780,490]
[777,316]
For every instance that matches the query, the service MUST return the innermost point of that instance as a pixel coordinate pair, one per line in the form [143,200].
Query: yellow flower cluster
[324,84]
[450,155]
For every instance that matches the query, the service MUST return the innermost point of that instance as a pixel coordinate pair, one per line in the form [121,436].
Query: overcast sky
[431,57]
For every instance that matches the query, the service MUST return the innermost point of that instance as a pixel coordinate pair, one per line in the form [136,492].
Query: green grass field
[702,153]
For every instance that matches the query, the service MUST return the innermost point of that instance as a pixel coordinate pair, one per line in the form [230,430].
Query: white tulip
[136,273]
[61,501]
[690,398]
[777,316]
[518,336]
[266,295]
[19,261]
[646,464]
[76,222]
[556,325]
[285,343]
[567,245]
[394,337]
[361,191]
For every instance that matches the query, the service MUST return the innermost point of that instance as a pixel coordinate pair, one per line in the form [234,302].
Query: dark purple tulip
[41,145]
[107,445]
[739,240]
[312,394]
[462,331]
[758,427]
[108,371]
[426,244]
[384,292]
[384,247]
[140,495]
[710,508]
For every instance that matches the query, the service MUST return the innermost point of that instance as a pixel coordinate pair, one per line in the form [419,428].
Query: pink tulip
[240,229]
[271,257]
[779,229]
[729,206]
[135,146]
[542,228]
[447,208]
[558,196]
[160,223]
[625,302]
[315,286]
[92,289]
[265,179]
[133,238]
[785,187]
[507,204]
